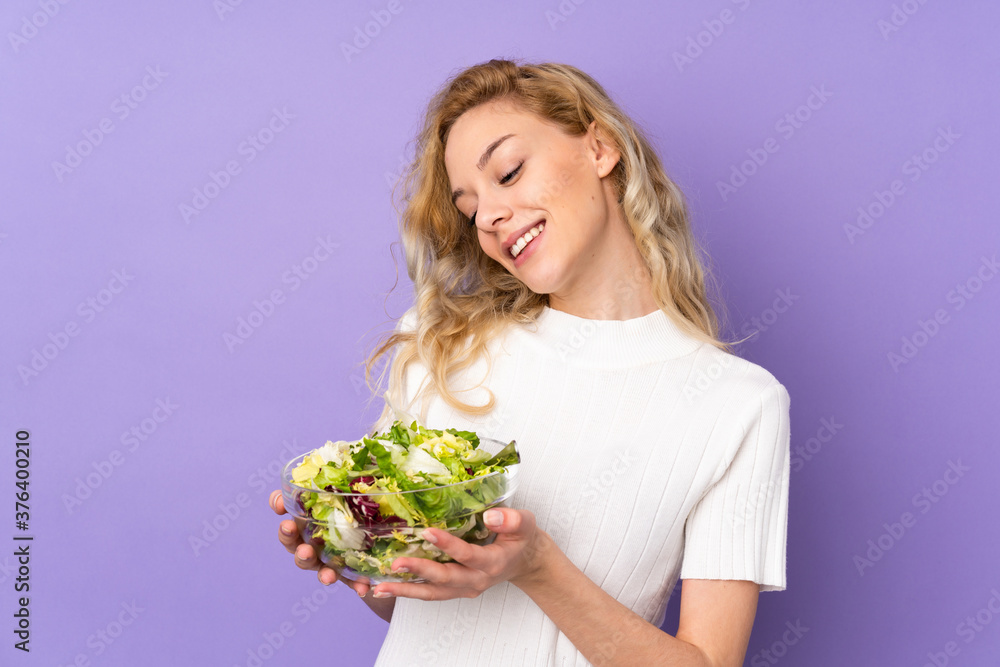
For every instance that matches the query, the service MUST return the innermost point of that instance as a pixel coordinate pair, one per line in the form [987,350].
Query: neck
[615,285]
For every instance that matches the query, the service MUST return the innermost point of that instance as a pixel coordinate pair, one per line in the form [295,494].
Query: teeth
[516,249]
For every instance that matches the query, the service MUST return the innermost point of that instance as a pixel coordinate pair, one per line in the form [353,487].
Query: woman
[554,269]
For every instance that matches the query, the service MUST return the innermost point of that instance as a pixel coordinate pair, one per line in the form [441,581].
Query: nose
[492,210]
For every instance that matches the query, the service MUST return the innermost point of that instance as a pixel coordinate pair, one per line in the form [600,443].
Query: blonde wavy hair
[463,298]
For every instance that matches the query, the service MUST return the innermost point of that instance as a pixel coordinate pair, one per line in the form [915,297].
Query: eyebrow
[487,154]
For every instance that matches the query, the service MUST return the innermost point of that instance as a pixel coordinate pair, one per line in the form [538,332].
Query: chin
[539,278]
[538,285]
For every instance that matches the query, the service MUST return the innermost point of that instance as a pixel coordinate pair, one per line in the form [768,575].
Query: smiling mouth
[527,238]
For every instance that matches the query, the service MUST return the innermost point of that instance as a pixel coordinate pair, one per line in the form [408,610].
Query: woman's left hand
[516,555]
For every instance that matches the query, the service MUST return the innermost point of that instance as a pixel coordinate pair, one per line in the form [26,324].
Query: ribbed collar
[611,343]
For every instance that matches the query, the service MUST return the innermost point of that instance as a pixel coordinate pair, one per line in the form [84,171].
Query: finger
[487,558]
[277,502]
[422,591]
[288,535]
[507,521]
[359,587]
[305,557]
[327,576]
[451,576]
[456,547]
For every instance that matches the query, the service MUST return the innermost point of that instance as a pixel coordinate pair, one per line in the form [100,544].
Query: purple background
[296,379]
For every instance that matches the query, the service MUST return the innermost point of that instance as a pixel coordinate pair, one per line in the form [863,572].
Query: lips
[512,239]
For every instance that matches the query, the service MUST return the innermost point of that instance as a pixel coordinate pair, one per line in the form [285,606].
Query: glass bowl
[358,536]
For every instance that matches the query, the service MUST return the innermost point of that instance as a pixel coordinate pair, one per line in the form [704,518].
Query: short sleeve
[739,528]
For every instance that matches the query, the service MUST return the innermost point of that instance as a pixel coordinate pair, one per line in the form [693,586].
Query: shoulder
[720,377]
[408,320]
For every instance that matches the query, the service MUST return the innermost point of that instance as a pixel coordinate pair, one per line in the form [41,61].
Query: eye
[511,174]
[503,181]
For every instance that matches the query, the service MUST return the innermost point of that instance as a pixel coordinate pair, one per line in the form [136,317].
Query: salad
[367,502]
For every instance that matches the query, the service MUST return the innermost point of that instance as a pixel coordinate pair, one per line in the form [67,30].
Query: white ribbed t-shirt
[648,456]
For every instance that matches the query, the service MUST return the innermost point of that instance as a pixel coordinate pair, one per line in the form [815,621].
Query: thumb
[508,521]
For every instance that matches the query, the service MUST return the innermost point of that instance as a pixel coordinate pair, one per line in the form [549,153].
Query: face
[515,172]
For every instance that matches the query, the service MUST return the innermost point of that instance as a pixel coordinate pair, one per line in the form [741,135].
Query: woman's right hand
[305,555]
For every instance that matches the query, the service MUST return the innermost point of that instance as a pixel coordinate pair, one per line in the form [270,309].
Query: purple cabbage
[366,511]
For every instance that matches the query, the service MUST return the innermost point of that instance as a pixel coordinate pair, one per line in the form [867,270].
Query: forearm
[605,631]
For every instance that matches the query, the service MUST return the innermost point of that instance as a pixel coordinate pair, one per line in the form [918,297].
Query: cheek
[490,246]
[568,189]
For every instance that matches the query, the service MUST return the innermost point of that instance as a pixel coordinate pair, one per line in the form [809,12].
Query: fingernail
[382,594]
[430,537]
[360,594]
[493,517]
[401,570]
[286,530]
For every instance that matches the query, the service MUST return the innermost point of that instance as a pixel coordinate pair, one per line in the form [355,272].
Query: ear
[603,151]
